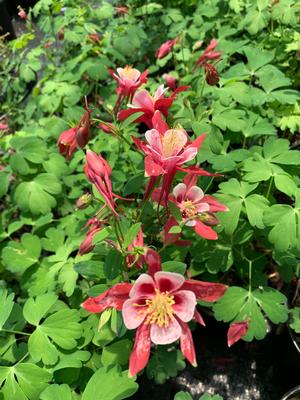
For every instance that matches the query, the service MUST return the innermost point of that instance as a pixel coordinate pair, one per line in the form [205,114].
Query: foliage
[51,347]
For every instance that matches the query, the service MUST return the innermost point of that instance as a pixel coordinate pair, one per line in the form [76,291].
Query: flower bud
[83,201]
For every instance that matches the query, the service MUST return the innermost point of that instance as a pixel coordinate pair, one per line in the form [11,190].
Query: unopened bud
[84,201]
[208,219]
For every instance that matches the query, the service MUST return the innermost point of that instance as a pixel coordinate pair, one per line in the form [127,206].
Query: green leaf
[209,397]
[90,269]
[131,234]
[285,223]
[18,256]
[272,78]
[174,266]
[6,305]
[164,364]
[101,235]
[113,264]
[24,381]
[31,148]
[257,58]
[35,309]
[183,396]
[62,392]
[256,205]
[295,323]
[239,304]
[36,195]
[134,184]
[116,353]
[109,384]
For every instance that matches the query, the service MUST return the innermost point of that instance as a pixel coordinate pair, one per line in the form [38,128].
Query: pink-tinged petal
[202,207]
[180,89]
[170,81]
[190,180]
[154,139]
[188,154]
[144,286]
[133,312]
[168,281]
[160,91]
[195,194]
[141,350]
[236,331]
[129,73]
[187,345]
[143,100]
[185,303]
[198,142]
[151,168]
[159,123]
[191,222]
[198,318]
[206,291]
[205,231]
[126,113]
[179,192]
[215,206]
[112,298]
[153,260]
[163,105]
[173,142]
[150,187]
[162,335]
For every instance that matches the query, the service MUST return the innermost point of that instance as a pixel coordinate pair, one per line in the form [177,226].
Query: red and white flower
[147,104]
[159,306]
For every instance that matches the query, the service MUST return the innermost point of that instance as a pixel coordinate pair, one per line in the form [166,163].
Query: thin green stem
[16,332]
[250,275]
[270,186]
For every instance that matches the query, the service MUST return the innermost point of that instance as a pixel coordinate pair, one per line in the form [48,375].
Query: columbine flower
[197,209]
[236,331]
[122,10]
[67,142]
[166,151]
[165,48]
[86,245]
[129,80]
[22,13]
[147,104]
[212,76]
[159,306]
[75,137]
[98,172]
[209,54]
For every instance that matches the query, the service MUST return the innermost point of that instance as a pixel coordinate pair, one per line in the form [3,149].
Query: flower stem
[270,186]
[13,331]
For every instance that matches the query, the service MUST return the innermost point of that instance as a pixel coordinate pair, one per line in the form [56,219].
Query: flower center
[130,73]
[188,209]
[159,309]
[173,142]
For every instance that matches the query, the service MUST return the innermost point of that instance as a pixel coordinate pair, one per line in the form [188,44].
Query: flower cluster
[157,304]
[206,60]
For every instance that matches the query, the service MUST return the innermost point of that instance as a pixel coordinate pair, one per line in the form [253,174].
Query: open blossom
[22,13]
[165,48]
[197,209]
[159,306]
[98,172]
[129,80]
[166,151]
[147,104]
[86,245]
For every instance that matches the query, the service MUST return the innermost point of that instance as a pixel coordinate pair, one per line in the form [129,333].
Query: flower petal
[173,142]
[185,303]
[188,154]
[179,192]
[162,335]
[168,281]
[143,100]
[187,344]
[159,123]
[153,260]
[236,331]
[207,291]
[198,318]
[152,168]
[112,298]
[214,204]
[205,231]
[133,312]
[195,194]
[144,286]
[154,139]
[141,350]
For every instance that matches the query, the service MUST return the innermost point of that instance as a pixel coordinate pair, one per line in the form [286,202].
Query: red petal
[198,318]
[205,231]
[153,261]
[236,331]
[126,113]
[139,144]
[158,123]
[197,171]
[141,350]
[187,345]
[207,291]
[198,142]
[151,168]
[112,298]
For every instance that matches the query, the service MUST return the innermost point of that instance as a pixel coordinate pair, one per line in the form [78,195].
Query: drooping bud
[83,201]
[61,34]
[211,75]
[22,13]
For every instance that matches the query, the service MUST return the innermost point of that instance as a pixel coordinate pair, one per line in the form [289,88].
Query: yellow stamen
[188,209]
[158,309]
